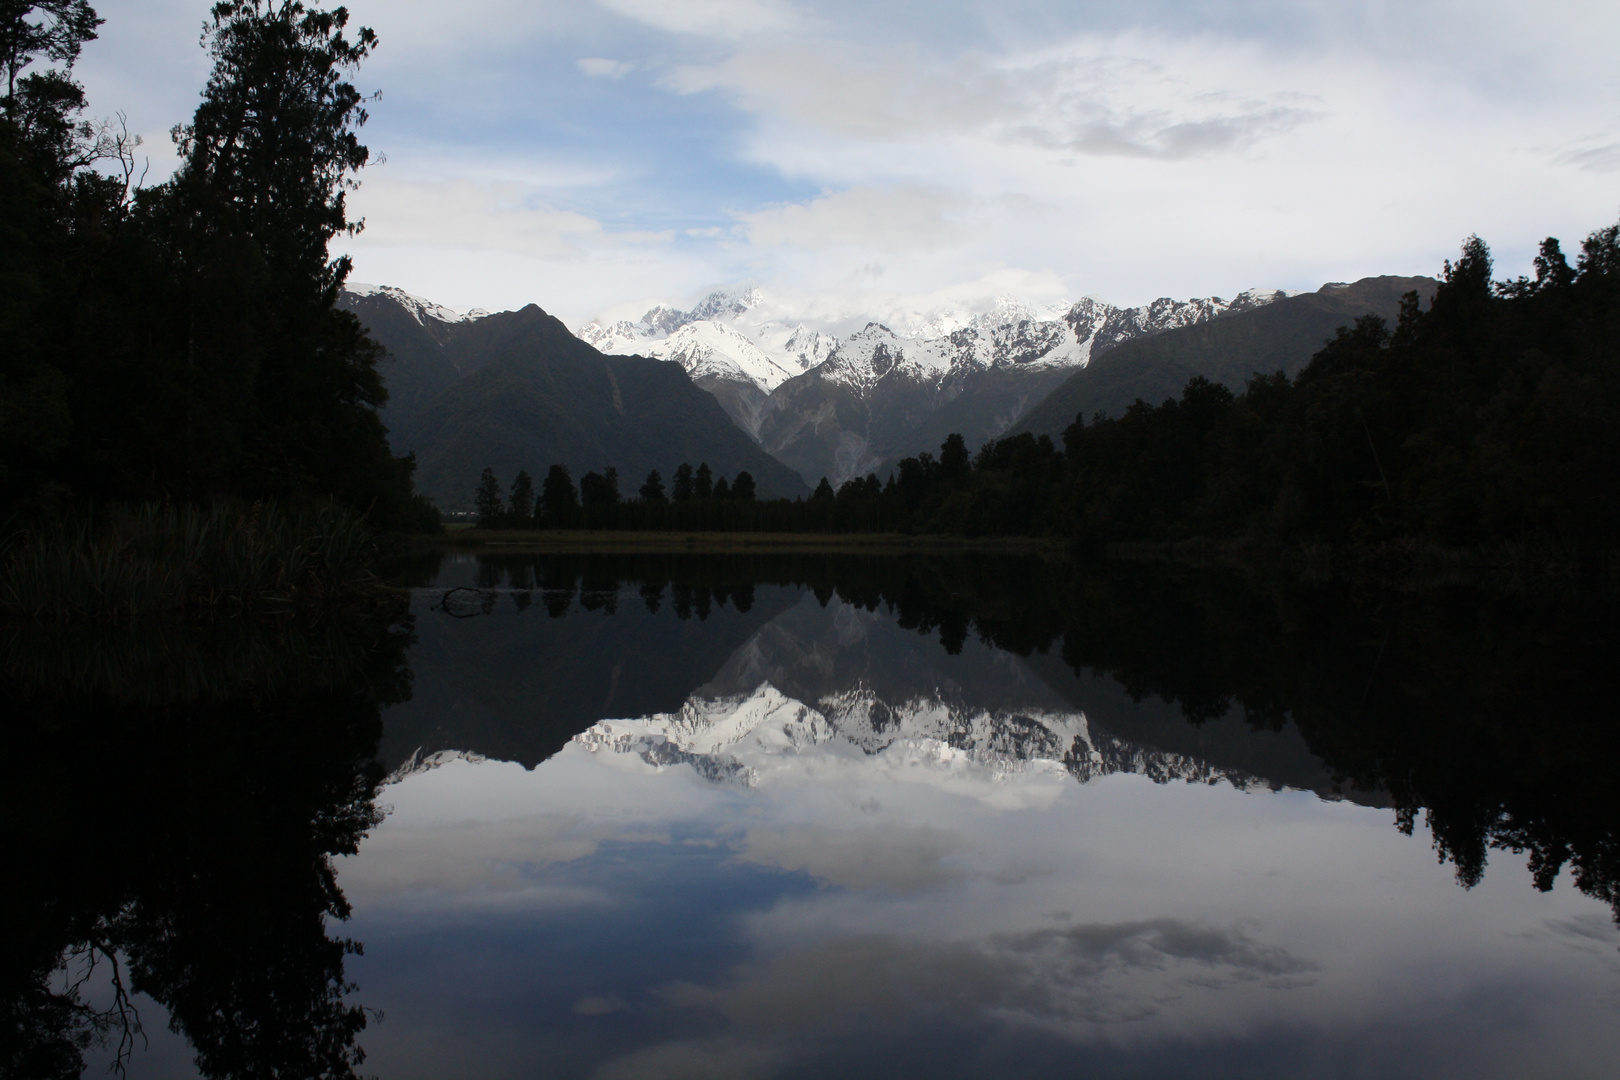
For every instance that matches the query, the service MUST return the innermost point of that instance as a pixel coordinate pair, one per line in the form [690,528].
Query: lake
[828,815]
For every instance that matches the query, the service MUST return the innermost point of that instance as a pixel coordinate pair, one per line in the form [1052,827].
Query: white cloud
[500,215]
[1093,96]
[908,218]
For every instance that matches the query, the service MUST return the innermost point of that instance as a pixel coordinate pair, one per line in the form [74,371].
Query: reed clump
[228,558]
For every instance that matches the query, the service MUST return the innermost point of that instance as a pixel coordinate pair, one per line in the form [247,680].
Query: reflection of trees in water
[182,817]
[1492,716]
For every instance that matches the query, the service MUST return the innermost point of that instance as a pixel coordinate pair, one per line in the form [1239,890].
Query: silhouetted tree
[522,499]
[722,490]
[487,498]
[703,482]
[599,489]
[743,487]
[558,499]
[269,157]
[682,489]
[953,458]
[652,490]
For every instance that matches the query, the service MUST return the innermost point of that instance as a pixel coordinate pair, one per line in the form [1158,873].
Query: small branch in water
[444,601]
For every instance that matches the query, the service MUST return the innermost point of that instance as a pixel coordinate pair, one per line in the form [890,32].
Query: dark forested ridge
[1488,417]
[1231,349]
[517,390]
[181,341]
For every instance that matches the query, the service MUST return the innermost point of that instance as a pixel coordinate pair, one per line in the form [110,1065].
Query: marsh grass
[226,559]
[170,659]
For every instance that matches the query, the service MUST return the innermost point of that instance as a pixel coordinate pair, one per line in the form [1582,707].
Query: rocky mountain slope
[838,401]
[516,390]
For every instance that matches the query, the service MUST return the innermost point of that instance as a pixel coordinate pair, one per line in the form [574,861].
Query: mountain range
[516,390]
[736,383]
[842,405]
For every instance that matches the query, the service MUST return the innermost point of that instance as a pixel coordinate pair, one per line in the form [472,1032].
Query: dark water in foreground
[655,817]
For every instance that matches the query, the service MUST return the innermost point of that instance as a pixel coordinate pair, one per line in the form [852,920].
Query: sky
[597,156]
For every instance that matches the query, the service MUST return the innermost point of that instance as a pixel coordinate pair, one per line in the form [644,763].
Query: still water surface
[788,818]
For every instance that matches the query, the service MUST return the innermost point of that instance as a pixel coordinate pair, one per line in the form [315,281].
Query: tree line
[180,341]
[1490,416]
[597,503]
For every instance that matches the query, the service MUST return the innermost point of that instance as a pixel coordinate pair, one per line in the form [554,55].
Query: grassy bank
[124,563]
[1508,567]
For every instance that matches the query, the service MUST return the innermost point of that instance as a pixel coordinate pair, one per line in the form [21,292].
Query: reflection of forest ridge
[1490,715]
[182,816]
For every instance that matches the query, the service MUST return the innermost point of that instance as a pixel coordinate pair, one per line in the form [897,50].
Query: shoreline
[604,540]
[1401,565]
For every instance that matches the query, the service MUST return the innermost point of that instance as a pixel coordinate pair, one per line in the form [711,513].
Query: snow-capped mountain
[840,396]
[752,739]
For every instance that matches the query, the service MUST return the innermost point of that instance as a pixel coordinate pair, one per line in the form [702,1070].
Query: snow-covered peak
[712,347]
[419,308]
[875,352]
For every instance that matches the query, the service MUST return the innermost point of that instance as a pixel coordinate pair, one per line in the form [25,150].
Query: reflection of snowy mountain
[421,762]
[797,685]
[751,739]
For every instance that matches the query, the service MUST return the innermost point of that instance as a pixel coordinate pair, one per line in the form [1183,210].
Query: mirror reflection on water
[780,816]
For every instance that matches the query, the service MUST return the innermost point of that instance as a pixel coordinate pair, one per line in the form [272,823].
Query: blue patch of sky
[658,160]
